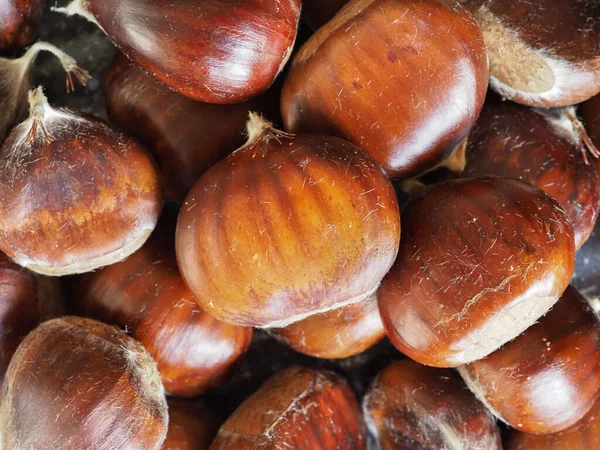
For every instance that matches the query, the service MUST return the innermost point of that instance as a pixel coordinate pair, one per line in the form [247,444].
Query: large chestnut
[383,76]
[547,378]
[286,227]
[146,295]
[19,22]
[542,53]
[219,51]
[192,426]
[299,408]
[481,260]
[76,383]
[75,194]
[410,406]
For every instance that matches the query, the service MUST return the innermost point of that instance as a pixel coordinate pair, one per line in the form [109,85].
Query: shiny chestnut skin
[542,53]
[548,378]
[297,408]
[192,426]
[76,383]
[317,13]
[185,137]
[286,227]
[336,334]
[146,296]
[19,22]
[409,406]
[544,150]
[480,261]
[382,76]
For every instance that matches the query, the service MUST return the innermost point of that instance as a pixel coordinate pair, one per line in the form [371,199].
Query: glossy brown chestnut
[185,137]
[340,333]
[547,378]
[76,383]
[541,53]
[410,406]
[317,13]
[540,148]
[75,194]
[19,22]
[192,426]
[481,260]
[297,408]
[220,51]
[146,295]
[381,75]
[286,227]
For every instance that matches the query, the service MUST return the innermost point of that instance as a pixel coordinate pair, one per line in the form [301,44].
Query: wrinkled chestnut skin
[548,378]
[286,227]
[410,406]
[76,383]
[317,13]
[340,333]
[192,426]
[19,22]
[510,140]
[217,51]
[299,408]
[146,295]
[480,261]
[185,137]
[383,77]
[590,114]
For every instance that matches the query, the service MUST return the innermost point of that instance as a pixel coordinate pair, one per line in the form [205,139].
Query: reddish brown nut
[340,333]
[192,426]
[381,75]
[547,378]
[317,13]
[146,295]
[541,53]
[410,406]
[297,408]
[76,383]
[481,260]
[19,22]
[286,227]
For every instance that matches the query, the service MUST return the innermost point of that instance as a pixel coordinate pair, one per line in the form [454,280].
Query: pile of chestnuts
[299,224]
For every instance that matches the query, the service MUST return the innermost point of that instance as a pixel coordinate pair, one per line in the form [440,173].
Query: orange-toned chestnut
[76,383]
[192,426]
[75,194]
[547,378]
[19,22]
[146,295]
[286,227]
[410,406]
[481,260]
[297,408]
[383,76]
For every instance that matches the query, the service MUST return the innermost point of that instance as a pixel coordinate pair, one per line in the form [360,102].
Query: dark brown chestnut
[383,76]
[410,406]
[76,383]
[480,261]
[222,51]
[192,426]
[19,22]
[286,227]
[299,408]
[547,378]
[590,115]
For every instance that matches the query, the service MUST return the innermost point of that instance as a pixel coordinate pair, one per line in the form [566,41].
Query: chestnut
[286,227]
[146,296]
[184,136]
[480,261]
[336,334]
[299,408]
[590,114]
[410,406]
[547,378]
[75,383]
[541,53]
[192,426]
[19,22]
[222,51]
[381,75]
[75,194]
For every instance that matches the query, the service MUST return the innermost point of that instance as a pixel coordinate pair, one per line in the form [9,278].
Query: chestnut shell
[19,22]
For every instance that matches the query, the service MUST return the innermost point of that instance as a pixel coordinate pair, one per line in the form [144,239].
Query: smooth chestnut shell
[297,408]
[192,426]
[76,383]
[548,378]
[480,261]
[19,22]
[286,227]
[382,76]
[409,406]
